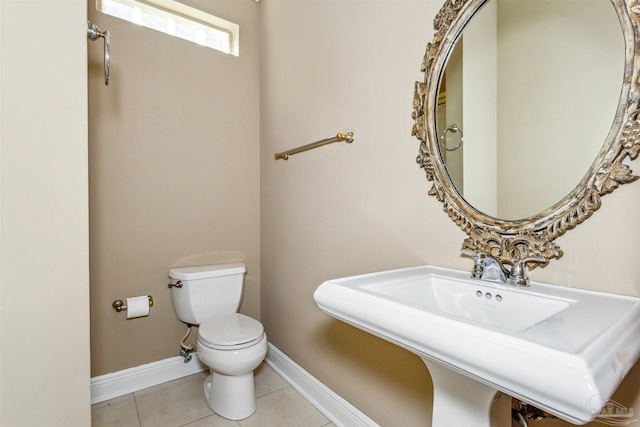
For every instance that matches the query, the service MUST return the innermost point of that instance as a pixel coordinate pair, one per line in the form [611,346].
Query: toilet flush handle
[177,285]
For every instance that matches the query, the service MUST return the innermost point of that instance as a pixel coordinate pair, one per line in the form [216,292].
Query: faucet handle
[478,262]
[518,275]
[469,252]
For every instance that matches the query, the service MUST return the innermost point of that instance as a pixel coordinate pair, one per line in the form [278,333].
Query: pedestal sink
[563,350]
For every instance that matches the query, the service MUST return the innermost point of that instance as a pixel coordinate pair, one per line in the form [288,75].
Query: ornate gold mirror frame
[510,241]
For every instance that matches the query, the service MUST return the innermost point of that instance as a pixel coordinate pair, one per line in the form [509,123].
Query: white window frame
[184,13]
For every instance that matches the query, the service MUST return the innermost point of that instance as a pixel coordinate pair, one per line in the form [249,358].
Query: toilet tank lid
[206,271]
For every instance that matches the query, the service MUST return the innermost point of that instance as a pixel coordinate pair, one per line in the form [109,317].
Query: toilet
[231,344]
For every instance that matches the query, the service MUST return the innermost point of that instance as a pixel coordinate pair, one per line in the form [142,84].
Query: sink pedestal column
[461,401]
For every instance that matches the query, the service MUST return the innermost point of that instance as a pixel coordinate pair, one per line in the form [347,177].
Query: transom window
[178,20]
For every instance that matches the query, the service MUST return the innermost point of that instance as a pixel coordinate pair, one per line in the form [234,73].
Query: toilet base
[231,397]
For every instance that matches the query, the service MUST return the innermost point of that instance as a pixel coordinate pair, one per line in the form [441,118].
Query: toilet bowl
[231,344]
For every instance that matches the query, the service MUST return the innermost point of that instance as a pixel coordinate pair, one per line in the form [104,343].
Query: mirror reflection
[534,86]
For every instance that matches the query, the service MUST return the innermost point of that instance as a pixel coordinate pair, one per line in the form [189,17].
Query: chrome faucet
[486,267]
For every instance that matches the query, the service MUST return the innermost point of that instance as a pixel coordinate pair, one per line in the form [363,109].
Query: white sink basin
[500,308]
[563,350]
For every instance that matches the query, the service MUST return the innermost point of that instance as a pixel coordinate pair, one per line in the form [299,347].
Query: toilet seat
[230,332]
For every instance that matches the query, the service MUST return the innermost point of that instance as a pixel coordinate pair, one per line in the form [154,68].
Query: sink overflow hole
[488,295]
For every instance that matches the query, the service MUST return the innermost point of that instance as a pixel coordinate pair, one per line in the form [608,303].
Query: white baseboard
[116,384]
[334,407]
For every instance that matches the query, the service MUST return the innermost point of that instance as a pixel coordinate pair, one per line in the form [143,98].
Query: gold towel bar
[348,137]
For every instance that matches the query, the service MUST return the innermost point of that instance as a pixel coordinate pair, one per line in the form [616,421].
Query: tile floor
[181,403]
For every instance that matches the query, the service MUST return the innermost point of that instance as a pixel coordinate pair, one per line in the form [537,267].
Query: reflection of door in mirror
[450,108]
[541,81]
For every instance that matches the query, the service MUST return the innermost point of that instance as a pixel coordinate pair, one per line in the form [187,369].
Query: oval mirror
[529,122]
[510,91]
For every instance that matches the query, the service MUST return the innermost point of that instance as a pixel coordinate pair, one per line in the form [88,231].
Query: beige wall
[44,270]
[174,175]
[331,66]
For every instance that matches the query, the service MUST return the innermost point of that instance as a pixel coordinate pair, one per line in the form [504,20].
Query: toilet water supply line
[186,349]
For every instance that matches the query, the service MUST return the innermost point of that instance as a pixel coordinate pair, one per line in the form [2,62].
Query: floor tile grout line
[275,390]
[135,401]
[199,419]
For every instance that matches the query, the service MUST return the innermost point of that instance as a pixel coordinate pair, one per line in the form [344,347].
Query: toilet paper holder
[119,305]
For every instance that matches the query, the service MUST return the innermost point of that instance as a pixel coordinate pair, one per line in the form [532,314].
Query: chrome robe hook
[93,34]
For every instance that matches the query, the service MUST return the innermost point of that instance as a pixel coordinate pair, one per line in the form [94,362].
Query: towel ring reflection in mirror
[443,138]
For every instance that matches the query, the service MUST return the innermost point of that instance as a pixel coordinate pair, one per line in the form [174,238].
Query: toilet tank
[206,291]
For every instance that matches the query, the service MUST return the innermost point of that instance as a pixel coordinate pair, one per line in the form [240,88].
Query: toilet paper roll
[137,307]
